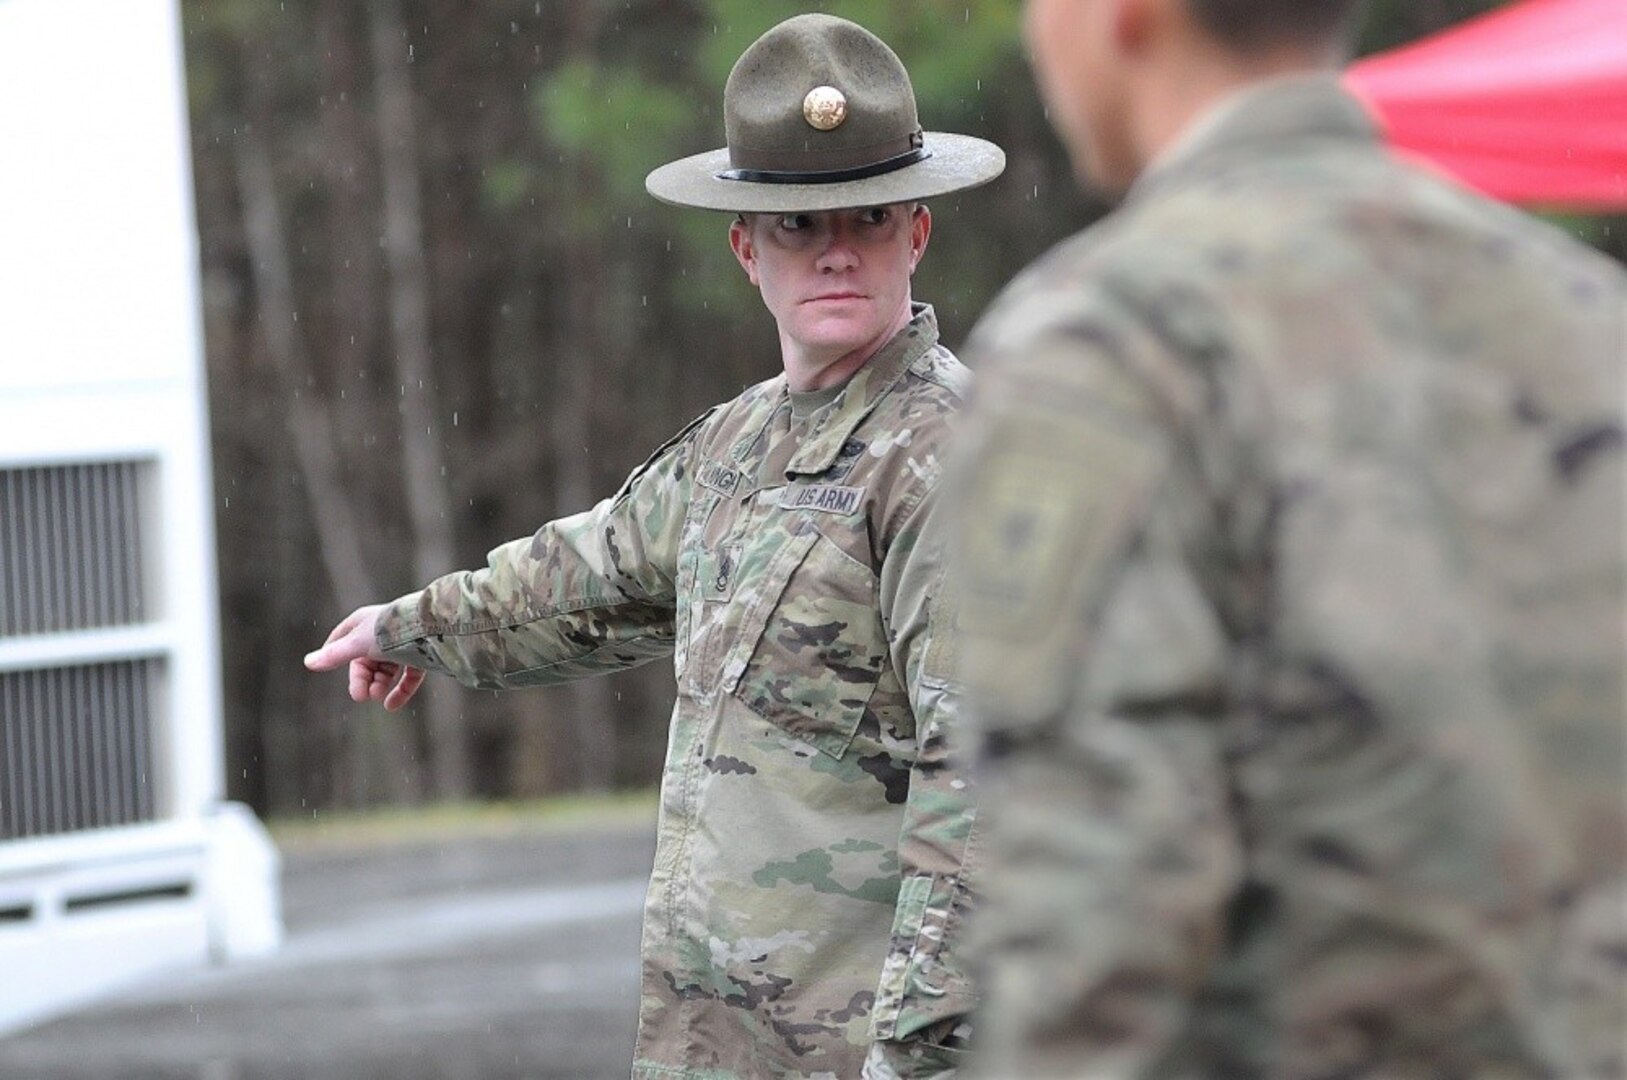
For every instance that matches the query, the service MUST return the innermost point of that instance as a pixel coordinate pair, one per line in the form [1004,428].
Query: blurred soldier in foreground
[1293,590]
[808,872]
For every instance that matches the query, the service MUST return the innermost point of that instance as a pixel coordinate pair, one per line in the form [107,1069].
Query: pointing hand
[372,677]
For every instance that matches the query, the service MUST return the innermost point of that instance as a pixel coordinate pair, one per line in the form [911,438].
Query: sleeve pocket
[918,988]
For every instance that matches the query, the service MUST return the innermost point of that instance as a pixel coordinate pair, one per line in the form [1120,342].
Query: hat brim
[957,162]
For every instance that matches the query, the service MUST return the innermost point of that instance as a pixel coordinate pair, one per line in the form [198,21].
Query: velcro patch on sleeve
[1050,508]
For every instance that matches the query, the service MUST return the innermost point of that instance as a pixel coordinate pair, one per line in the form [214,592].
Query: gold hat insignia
[825,108]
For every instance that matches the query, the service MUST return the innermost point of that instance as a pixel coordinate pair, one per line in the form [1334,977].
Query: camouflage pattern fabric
[1293,612]
[809,870]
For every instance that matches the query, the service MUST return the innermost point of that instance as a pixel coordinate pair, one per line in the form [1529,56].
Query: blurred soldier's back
[1294,601]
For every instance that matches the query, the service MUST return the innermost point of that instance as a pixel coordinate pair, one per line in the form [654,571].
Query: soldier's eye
[795,222]
[874,215]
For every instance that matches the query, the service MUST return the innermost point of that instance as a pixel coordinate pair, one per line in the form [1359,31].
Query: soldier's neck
[820,369]
[1174,94]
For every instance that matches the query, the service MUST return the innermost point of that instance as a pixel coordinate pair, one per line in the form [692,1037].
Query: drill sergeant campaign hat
[820,114]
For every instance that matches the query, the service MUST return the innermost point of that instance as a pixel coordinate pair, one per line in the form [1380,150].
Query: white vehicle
[118,856]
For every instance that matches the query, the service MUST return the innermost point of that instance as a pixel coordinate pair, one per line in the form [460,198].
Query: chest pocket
[814,664]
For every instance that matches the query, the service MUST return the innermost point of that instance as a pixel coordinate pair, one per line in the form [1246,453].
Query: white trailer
[118,856]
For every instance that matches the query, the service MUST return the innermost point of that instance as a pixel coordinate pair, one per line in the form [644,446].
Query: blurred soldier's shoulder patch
[1049,504]
[1016,539]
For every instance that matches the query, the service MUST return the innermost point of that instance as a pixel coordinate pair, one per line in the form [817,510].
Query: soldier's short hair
[1248,25]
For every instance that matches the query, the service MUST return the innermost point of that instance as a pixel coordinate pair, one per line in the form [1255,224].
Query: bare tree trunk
[591,706]
[350,212]
[283,708]
[538,744]
[349,338]
[314,446]
[424,463]
[313,437]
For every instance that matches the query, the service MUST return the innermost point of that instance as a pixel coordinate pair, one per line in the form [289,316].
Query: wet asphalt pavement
[511,957]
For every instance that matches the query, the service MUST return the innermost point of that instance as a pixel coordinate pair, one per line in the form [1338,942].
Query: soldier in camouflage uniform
[1293,591]
[810,868]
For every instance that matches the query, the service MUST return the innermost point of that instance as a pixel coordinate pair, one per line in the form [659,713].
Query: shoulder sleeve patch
[1049,506]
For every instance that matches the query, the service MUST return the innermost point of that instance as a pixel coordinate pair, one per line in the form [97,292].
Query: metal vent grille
[71,548]
[76,747]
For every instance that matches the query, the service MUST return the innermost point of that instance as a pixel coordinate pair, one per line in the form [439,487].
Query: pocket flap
[813,664]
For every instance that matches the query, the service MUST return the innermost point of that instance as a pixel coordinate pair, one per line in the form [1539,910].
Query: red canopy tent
[1527,104]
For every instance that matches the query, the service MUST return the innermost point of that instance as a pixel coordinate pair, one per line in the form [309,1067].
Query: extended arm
[589,593]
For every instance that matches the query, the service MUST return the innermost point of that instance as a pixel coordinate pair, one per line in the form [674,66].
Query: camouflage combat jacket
[808,873]
[1293,618]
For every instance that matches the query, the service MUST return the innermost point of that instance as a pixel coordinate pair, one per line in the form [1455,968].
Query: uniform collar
[835,423]
[1267,114]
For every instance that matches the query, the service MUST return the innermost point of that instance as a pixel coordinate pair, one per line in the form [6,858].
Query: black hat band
[827,176]
[826,164]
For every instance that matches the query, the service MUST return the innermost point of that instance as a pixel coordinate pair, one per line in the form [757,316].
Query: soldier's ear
[920,233]
[745,250]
